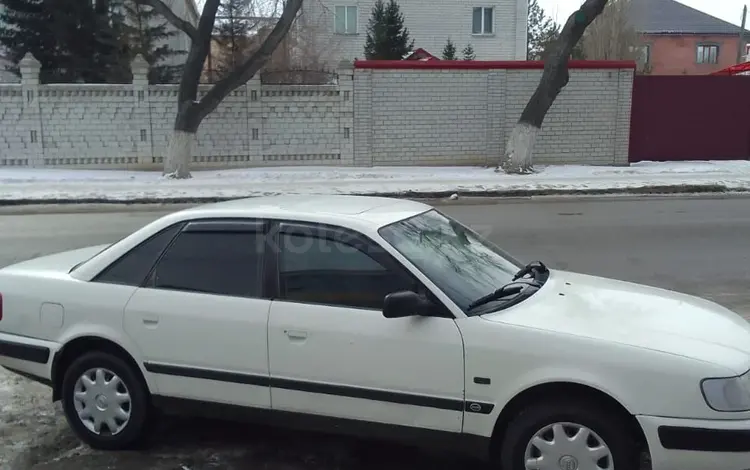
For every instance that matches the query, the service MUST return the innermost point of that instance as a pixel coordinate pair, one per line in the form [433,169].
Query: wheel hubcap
[567,446]
[102,402]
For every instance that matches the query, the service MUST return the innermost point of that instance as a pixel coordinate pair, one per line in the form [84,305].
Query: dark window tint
[318,270]
[133,267]
[223,263]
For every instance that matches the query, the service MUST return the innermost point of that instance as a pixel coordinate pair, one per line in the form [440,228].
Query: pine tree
[542,31]
[144,32]
[449,51]
[387,36]
[233,35]
[25,27]
[469,53]
[73,40]
[110,62]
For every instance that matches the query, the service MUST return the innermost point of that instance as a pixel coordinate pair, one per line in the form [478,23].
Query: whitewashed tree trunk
[519,151]
[520,148]
[191,110]
[178,155]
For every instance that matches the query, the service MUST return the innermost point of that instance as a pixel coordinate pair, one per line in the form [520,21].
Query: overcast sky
[727,10]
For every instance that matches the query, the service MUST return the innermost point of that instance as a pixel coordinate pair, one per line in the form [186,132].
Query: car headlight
[728,394]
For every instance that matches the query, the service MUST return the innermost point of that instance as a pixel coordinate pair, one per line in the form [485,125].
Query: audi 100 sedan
[384,318]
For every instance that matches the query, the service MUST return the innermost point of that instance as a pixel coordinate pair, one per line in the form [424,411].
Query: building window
[708,54]
[483,20]
[345,21]
[641,54]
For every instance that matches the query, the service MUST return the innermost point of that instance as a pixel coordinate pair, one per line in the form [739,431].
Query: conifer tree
[24,27]
[469,53]
[387,36]
[449,51]
[73,40]
[145,32]
[542,31]
[233,35]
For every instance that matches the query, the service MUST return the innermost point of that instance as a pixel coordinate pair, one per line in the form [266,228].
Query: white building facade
[496,29]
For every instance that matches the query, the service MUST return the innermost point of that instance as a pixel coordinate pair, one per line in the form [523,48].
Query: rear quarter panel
[59,309]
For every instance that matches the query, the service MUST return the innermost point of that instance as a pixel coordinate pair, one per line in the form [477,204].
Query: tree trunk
[192,111]
[180,150]
[520,147]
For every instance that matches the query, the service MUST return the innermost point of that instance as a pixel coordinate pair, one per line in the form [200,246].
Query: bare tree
[613,36]
[520,146]
[190,110]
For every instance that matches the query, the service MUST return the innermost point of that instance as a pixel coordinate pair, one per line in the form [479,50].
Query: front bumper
[689,444]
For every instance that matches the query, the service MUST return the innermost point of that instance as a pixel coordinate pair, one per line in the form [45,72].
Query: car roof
[370,212]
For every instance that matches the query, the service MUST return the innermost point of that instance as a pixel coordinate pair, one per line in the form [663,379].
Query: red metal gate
[679,118]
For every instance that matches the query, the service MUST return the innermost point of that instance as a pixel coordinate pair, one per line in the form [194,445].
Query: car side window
[212,262]
[133,267]
[323,271]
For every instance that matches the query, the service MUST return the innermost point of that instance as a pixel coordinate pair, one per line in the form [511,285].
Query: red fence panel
[700,117]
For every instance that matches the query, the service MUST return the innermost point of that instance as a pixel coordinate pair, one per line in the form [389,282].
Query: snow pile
[48,184]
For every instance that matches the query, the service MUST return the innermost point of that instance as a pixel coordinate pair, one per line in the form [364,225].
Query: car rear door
[333,353]
[200,318]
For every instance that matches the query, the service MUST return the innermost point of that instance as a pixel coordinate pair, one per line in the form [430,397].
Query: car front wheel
[568,436]
[105,401]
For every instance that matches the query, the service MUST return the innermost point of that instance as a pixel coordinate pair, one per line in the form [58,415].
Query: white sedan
[384,318]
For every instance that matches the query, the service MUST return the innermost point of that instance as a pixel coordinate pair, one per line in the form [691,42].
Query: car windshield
[460,262]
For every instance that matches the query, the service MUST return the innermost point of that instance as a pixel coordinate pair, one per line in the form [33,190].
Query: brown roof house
[680,40]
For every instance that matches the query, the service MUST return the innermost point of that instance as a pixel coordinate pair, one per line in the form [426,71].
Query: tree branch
[199,49]
[555,75]
[251,66]
[160,7]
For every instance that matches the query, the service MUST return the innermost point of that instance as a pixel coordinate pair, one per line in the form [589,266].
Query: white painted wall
[372,117]
[430,22]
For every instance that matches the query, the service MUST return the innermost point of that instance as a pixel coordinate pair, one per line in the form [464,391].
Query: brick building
[680,40]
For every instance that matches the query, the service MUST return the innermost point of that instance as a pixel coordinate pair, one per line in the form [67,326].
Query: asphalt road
[695,245]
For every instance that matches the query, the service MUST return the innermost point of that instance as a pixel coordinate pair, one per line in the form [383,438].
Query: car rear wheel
[568,436]
[105,401]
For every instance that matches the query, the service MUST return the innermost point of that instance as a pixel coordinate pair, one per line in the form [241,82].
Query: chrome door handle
[296,335]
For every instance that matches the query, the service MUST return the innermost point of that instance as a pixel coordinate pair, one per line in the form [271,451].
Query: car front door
[333,353]
[200,319]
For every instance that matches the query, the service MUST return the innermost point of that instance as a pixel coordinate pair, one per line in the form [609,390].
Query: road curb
[514,193]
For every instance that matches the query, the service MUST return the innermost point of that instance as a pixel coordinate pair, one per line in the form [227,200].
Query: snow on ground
[40,184]
[28,419]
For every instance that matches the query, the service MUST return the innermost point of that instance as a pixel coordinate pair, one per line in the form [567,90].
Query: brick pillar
[142,123]
[496,93]
[32,137]
[346,112]
[255,120]
[363,117]
[622,123]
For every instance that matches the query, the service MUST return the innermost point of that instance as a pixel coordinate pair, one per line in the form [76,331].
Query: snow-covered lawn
[47,184]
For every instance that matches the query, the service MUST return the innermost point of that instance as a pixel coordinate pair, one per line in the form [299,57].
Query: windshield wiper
[537,269]
[513,288]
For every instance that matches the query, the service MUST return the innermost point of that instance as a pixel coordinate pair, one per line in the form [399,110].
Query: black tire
[134,433]
[610,426]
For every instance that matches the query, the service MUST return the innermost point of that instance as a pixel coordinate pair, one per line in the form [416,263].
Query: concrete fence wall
[385,113]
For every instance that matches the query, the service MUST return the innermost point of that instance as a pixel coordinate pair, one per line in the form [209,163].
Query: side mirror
[406,304]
